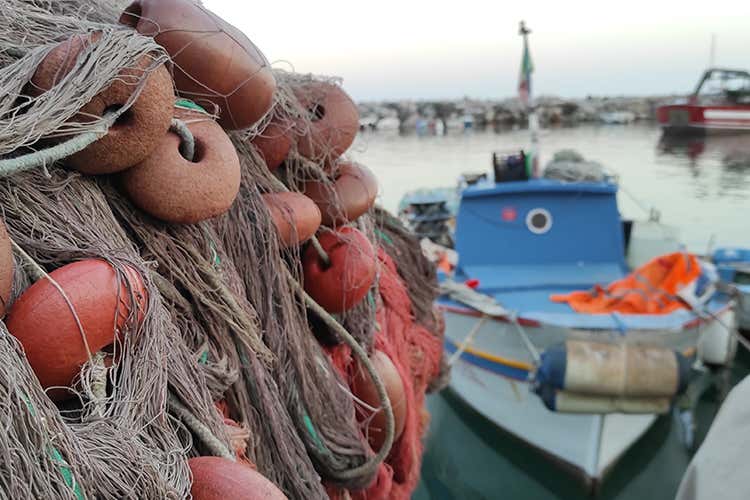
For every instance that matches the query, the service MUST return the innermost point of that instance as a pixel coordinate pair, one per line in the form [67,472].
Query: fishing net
[224,357]
[131,442]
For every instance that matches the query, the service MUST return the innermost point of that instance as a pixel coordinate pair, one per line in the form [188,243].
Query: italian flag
[524,83]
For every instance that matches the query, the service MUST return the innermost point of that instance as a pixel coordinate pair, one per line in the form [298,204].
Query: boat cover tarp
[654,288]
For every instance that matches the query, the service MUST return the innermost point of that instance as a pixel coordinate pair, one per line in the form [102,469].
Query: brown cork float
[295,216]
[344,282]
[174,189]
[42,320]
[334,121]
[136,132]
[363,388]
[274,143]
[6,268]
[214,62]
[351,195]
[217,478]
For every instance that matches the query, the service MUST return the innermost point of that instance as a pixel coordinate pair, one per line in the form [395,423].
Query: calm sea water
[702,186]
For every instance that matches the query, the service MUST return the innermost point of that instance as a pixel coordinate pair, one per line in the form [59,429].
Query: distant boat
[388,123]
[617,117]
[720,103]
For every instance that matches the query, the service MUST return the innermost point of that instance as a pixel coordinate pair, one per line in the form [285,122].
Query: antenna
[713,50]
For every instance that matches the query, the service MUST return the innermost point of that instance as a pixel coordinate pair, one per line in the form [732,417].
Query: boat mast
[529,102]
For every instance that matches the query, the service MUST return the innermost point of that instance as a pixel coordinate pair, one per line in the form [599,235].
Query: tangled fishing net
[222,352]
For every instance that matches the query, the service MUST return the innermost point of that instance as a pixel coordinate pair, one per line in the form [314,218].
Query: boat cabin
[722,86]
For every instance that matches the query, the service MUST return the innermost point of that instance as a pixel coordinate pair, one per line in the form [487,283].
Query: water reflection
[732,150]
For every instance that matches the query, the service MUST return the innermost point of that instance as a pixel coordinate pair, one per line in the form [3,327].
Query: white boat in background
[617,117]
[388,123]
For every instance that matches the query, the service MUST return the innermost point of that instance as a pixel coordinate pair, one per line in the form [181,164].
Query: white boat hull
[489,375]
[590,443]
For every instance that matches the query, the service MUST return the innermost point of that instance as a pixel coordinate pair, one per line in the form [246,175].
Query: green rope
[188,104]
[57,457]
[384,237]
[313,432]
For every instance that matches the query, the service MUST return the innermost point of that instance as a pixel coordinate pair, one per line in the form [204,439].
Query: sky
[417,49]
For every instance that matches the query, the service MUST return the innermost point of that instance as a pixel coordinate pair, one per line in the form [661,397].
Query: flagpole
[530,107]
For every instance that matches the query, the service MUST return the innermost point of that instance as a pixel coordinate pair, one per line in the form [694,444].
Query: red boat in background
[720,104]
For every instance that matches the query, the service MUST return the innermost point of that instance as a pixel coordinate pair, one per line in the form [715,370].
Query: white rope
[468,340]
[526,340]
[48,156]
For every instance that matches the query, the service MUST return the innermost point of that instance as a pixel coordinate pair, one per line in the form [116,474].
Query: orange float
[6,268]
[42,320]
[169,187]
[345,281]
[273,144]
[295,215]
[365,390]
[334,121]
[216,478]
[214,62]
[351,194]
[136,132]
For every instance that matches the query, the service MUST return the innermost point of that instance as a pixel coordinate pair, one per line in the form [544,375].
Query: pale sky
[429,49]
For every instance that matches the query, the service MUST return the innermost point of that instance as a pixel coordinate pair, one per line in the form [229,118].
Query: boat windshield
[729,86]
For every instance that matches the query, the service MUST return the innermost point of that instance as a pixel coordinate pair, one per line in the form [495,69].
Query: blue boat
[518,243]
[582,385]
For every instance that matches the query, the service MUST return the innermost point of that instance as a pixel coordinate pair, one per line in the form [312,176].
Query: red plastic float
[171,188]
[352,194]
[343,283]
[365,390]
[216,478]
[42,320]
[6,268]
[295,215]
[334,121]
[214,62]
[273,144]
[136,132]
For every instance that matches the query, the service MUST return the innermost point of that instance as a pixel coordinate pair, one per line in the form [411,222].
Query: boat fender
[6,269]
[218,478]
[570,402]
[345,280]
[42,320]
[295,216]
[136,133]
[365,391]
[273,144]
[351,194]
[174,189]
[332,124]
[617,370]
[214,62]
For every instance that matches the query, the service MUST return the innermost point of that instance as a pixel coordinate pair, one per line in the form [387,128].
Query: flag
[524,83]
